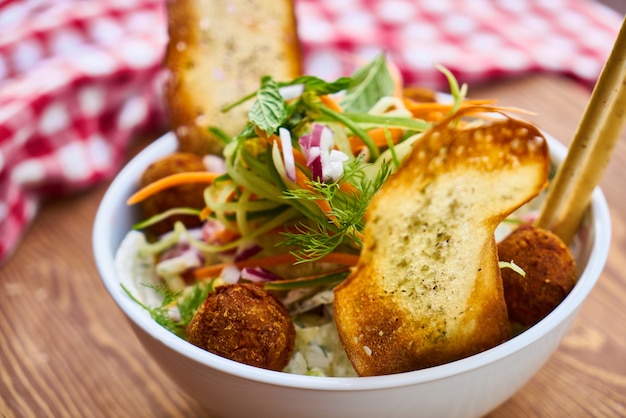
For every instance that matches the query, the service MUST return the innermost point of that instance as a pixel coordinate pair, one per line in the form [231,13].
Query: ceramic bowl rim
[120,188]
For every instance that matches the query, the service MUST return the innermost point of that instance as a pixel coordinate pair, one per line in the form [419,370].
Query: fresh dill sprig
[313,242]
[160,313]
[187,303]
[191,301]
[346,217]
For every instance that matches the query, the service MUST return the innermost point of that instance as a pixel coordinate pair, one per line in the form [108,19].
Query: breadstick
[591,148]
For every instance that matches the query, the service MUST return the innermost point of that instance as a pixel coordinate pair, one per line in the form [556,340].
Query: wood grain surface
[67,351]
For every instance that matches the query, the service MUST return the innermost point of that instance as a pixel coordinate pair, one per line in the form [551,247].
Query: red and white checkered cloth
[78,79]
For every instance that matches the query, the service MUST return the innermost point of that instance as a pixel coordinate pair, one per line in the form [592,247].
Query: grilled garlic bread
[216,54]
[427,289]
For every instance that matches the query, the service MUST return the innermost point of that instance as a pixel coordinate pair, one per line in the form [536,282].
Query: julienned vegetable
[288,211]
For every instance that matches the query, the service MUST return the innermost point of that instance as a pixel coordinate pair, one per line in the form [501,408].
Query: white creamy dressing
[318,350]
[137,271]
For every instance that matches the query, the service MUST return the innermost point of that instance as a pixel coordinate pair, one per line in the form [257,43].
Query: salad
[284,205]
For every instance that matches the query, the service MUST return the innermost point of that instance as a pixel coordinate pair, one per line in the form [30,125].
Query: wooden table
[67,350]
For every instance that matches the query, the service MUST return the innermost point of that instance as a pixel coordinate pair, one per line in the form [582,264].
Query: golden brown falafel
[187,195]
[244,323]
[550,269]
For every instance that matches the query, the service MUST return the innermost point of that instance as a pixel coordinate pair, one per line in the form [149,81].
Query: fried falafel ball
[245,323]
[550,269]
[187,195]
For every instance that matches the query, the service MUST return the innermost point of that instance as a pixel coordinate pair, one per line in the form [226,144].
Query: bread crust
[217,53]
[427,289]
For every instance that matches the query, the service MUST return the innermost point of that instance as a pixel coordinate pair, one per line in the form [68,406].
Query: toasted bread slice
[427,289]
[217,53]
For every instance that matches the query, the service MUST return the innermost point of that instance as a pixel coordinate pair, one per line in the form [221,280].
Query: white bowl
[470,387]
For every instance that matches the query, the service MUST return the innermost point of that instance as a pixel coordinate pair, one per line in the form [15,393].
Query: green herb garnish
[269,109]
[186,302]
[347,211]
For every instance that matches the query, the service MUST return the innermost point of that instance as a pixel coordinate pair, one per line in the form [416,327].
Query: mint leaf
[269,109]
[369,84]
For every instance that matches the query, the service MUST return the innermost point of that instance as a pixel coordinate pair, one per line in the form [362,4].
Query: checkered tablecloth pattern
[78,79]
[477,39]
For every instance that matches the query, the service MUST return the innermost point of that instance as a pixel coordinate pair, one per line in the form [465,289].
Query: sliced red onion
[314,155]
[230,274]
[182,250]
[246,250]
[305,143]
[334,168]
[313,147]
[211,230]
[179,260]
[258,274]
[174,251]
[193,232]
[311,140]
[317,172]
[290,163]
[326,163]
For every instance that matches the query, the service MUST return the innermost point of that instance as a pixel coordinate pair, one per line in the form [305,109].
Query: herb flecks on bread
[216,54]
[427,289]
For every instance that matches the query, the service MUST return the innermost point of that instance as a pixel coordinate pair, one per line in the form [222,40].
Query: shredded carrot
[430,110]
[307,281]
[359,235]
[273,260]
[303,181]
[224,236]
[349,188]
[205,213]
[260,132]
[299,157]
[379,137]
[330,103]
[172,181]
[269,139]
